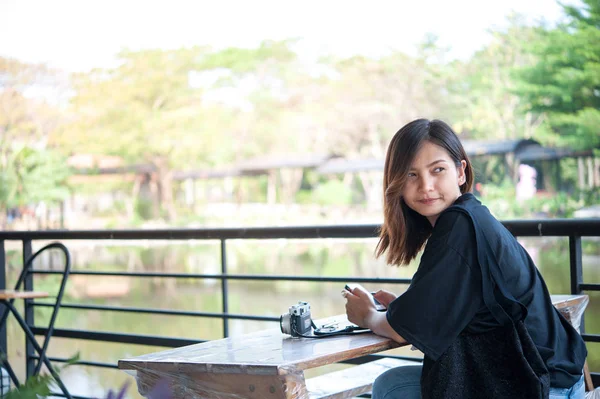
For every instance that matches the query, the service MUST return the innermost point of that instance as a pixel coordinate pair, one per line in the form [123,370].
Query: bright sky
[80,34]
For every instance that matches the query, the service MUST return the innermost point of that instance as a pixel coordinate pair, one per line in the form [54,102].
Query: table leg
[38,349]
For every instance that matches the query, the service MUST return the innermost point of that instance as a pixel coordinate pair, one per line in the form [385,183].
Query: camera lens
[284,324]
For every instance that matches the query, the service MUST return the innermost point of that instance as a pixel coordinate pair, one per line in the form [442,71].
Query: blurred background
[179,114]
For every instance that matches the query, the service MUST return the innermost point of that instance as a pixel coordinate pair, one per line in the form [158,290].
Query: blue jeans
[577,391]
[405,383]
[398,383]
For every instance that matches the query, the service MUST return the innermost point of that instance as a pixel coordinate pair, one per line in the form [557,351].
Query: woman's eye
[411,175]
[439,169]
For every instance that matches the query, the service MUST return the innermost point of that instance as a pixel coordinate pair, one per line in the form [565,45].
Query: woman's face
[433,181]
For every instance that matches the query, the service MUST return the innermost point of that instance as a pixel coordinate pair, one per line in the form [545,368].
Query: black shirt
[445,294]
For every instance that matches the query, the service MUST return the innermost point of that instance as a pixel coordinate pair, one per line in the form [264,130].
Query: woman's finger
[384,297]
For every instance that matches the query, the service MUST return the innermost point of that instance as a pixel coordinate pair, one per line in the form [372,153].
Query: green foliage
[361,102]
[31,176]
[483,105]
[243,61]
[500,199]
[502,202]
[304,197]
[332,192]
[197,108]
[150,106]
[143,209]
[564,85]
[139,110]
[38,385]
[34,386]
[29,171]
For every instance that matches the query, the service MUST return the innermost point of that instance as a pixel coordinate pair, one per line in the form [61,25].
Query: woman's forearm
[377,322]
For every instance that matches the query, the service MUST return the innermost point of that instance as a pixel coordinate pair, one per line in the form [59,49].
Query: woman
[475,285]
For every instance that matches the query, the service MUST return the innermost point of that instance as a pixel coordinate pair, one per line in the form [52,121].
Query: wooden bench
[352,381]
[269,365]
[572,308]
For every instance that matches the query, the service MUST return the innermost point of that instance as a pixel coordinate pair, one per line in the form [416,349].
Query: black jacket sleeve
[445,292]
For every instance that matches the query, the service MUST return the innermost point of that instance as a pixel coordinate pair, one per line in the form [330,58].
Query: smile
[428,201]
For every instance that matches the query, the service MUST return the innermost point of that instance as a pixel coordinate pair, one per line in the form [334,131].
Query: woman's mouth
[428,201]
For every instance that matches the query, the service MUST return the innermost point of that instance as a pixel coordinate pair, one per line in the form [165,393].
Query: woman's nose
[425,183]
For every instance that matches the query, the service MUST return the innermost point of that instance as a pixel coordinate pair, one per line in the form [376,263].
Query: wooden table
[269,364]
[7,295]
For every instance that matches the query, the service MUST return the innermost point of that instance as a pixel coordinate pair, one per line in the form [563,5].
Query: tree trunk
[597,171]
[272,187]
[135,192]
[590,164]
[372,185]
[164,180]
[581,173]
[291,179]
[153,183]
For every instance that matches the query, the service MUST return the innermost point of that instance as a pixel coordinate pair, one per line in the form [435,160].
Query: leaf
[34,386]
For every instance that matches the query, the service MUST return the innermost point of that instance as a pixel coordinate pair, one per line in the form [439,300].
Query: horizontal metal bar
[540,227]
[344,231]
[587,227]
[236,277]
[158,311]
[589,287]
[150,340]
[80,362]
[591,337]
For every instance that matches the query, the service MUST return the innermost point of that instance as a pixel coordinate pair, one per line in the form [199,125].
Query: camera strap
[347,330]
[333,330]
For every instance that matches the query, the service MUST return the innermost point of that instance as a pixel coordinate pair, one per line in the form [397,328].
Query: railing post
[575,255]
[224,292]
[28,311]
[576,260]
[3,339]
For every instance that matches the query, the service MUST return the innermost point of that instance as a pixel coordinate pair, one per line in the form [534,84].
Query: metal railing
[574,229]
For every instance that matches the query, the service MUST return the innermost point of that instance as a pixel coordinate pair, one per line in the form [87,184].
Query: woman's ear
[462,176]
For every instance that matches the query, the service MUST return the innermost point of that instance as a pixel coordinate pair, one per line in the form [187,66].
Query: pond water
[328,257]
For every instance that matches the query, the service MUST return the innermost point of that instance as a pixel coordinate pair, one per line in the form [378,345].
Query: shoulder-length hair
[404,231]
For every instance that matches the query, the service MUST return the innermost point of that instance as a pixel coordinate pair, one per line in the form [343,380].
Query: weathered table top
[270,352]
[267,352]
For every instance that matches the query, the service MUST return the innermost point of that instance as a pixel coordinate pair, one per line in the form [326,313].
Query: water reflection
[271,298]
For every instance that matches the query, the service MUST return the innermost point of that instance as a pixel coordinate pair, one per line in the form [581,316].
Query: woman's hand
[360,309]
[359,305]
[384,297]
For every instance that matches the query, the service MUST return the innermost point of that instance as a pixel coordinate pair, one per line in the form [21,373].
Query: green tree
[563,84]
[144,111]
[177,108]
[30,171]
[366,100]
[483,104]
[32,176]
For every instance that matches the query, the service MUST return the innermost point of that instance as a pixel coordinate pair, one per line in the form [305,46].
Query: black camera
[297,321]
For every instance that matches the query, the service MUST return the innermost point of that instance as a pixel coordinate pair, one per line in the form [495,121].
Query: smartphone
[378,305]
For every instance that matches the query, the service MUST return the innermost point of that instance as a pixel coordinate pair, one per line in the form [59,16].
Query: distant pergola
[286,172]
[514,152]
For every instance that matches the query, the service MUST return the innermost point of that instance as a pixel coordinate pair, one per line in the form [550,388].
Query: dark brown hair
[404,231]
